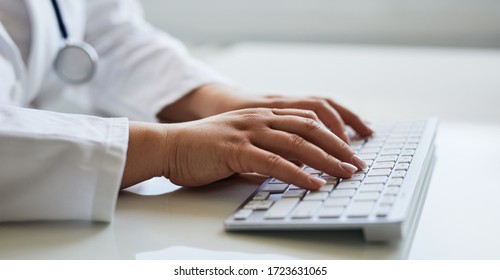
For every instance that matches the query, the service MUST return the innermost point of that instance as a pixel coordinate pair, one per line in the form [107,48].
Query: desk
[461,216]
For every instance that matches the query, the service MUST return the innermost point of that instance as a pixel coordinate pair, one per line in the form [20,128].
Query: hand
[212,99]
[255,140]
[333,115]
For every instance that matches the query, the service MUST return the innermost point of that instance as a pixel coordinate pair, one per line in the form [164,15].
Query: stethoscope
[75,62]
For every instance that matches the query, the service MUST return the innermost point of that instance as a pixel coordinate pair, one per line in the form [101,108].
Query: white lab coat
[57,166]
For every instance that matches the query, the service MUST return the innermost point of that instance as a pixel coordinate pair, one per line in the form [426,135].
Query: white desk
[461,217]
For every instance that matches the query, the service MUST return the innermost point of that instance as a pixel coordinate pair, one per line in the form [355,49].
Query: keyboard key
[376,180]
[261,196]
[411,146]
[383,165]
[389,152]
[413,140]
[405,159]
[371,188]
[281,208]
[264,204]
[316,196]
[369,162]
[306,209]
[374,144]
[402,166]
[348,185]
[337,201]
[276,181]
[367,156]
[275,188]
[383,210]
[395,141]
[393,146]
[397,138]
[242,214]
[355,177]
[369,150]
[379,172]
[399,174]
[395,182]
[409,152]
[252,204]
[330,179]
[326,188]
[387,158]
[294,187]
[357,142]
[371,196]
[294,193]
[360,209]
[388,199]
[330,212]
[391,190]
[342,193]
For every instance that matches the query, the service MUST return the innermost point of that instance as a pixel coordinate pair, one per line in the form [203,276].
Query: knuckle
[309,112]
[320,103]
[253,120]
[297,141]
[345,148]
[328,157]
[231,152]
[272,162]
[311,124]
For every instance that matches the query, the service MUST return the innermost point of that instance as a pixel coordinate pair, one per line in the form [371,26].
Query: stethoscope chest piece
[76,62]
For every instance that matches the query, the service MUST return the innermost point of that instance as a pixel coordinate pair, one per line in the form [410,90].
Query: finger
[294,147]
[296,112]
[315,133]
[267,163]
[326,113]
[332,119]
[352,119]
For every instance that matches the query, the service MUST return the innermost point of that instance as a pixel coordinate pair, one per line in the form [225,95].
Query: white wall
[417,22]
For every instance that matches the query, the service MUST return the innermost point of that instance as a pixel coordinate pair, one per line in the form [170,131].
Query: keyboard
[384,200]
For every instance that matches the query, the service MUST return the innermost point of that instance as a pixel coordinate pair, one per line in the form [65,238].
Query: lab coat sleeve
[58,166]
[141,68]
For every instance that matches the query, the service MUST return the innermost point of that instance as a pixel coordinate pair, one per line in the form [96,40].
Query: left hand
[212,99]
[333,115]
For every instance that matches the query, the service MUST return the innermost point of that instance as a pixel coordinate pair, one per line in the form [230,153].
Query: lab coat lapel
[45,43]
[9,51]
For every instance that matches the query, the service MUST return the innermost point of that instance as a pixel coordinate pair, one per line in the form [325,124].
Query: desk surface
[461,216]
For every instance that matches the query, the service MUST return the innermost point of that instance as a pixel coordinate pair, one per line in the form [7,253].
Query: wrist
[145,152]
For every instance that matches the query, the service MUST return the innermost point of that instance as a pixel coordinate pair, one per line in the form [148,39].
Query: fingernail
[358,162]
[348,167]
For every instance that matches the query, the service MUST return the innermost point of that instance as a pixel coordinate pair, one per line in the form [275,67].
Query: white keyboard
[384,200]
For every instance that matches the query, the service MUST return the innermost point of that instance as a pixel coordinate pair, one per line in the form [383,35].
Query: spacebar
[281,208]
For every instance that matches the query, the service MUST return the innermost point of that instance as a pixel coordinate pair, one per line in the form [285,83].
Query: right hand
[255,140]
